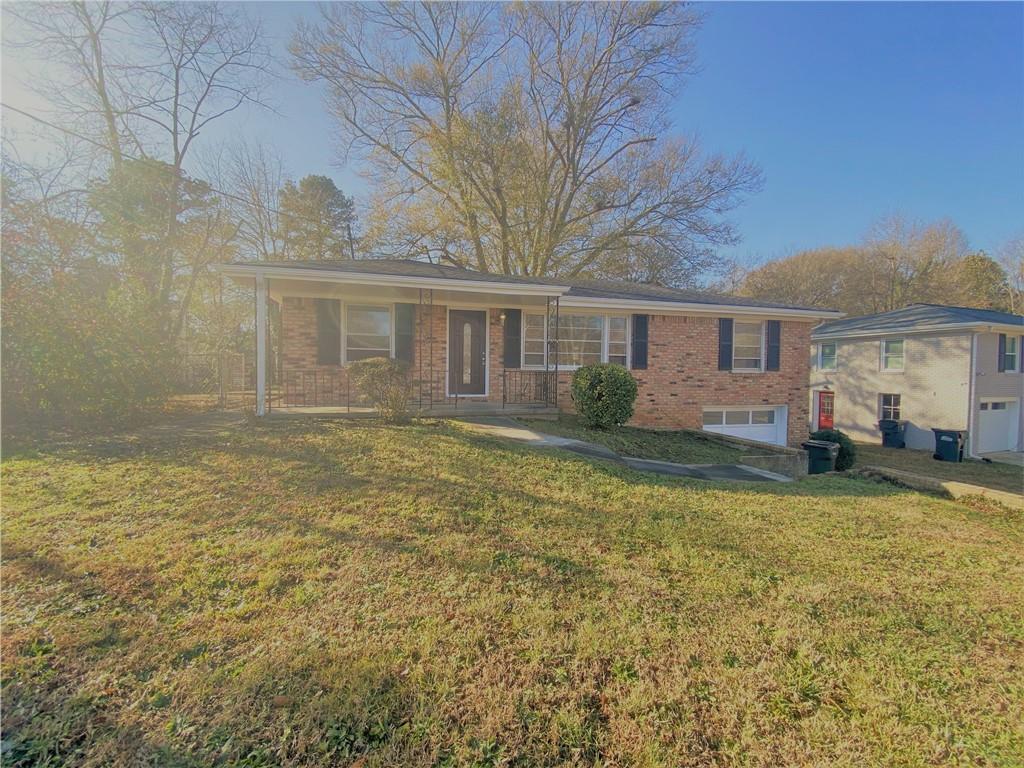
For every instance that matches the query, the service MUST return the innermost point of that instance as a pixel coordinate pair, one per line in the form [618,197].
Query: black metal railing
[524,387]
[333,388]
[311,388]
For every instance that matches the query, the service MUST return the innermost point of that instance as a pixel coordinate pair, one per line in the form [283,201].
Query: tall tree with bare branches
[141,82]
[527,138]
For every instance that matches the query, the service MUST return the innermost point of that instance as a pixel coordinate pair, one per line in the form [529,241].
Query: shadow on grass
[458,502]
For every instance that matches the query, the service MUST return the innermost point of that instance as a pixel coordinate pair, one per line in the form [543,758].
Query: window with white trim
[534,340]
[367,332]
[892,354]
[737,417]
[617,340]
[889,406]
[827,356]
[1010,354]
[747,346]
[582,340]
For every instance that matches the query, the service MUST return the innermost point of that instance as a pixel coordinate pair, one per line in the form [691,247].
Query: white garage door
[997,426]
[764,423]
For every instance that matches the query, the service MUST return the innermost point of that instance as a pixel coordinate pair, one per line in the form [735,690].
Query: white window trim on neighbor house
[895,410]
[562,366]
[883,354]
[821,355]
[1011,355]
[762,351]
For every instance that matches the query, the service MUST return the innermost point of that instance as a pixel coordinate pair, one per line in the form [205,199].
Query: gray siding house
[929,365]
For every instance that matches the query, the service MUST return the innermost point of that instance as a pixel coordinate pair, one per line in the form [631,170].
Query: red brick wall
[682,375]
[299,347]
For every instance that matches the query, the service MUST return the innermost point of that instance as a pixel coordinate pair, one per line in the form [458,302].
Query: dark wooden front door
[467,352]
[826,409]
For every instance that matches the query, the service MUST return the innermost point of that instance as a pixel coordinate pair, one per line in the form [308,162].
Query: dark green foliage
[386,384]
[316,218]
[847,450]
[93,305]
[604,395]
[77,352]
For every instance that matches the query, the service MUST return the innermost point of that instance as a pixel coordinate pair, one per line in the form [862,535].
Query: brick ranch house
[477,341]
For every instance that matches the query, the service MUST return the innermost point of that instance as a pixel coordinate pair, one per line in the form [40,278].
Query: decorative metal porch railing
[525,387]
[333,388]
[311,388]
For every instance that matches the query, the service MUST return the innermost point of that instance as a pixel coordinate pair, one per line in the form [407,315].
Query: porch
[331,393]
[462,340]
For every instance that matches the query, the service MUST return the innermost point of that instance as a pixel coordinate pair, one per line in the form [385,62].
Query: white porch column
[261,345]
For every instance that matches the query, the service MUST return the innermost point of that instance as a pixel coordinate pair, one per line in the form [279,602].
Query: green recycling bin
[949,445]
[821,456]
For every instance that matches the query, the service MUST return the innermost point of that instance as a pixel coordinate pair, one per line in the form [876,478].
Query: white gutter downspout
[970,397]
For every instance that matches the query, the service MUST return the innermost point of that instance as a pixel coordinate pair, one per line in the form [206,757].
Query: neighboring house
[929,365]
[725,364]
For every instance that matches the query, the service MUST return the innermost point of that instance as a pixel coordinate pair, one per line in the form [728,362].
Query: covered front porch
[462,341]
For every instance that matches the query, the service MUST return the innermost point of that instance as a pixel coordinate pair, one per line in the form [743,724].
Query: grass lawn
[330,593]
[681,446]
[1002,477]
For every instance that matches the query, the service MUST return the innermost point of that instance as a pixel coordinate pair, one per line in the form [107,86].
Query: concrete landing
[510,429]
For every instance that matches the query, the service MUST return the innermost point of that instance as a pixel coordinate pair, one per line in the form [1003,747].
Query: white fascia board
[920,330]
[403,281]
[689,308]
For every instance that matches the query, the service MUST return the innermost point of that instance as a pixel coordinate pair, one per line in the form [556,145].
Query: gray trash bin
[949,445]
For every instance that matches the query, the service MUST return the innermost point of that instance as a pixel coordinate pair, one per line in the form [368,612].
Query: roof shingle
[918,317]
[597,289]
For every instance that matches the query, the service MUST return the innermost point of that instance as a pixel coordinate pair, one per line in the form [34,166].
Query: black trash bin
[892,433]
[949,445]
[821,456]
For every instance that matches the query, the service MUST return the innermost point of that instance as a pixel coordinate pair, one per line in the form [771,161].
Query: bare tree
[144,80]
[255,174]
[911,259]
[524,138]
[1011,257]
[898,263]
[87,41]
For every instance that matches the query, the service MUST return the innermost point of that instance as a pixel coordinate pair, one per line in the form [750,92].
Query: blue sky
[853,110]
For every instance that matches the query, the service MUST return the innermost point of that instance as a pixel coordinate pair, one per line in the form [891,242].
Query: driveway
[1006,457]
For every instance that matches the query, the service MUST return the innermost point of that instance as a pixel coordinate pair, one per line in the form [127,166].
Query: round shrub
[847,450]
[603,395]
[385,382]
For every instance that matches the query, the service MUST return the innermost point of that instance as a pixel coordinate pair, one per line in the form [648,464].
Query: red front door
[826,404]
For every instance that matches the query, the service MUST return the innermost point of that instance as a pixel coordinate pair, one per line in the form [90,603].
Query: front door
[467,352]
[826,405]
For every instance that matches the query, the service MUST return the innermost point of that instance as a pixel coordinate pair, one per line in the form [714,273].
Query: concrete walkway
[510,429]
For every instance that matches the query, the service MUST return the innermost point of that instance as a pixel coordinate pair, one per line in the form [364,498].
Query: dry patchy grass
[1001,477]
[337,594]
[679,445]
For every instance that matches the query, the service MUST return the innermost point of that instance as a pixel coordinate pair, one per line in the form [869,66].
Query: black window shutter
[638,355]
[1020,354]
[512,338]
[1002,352]
[405,318]
[328,332]
[773,344]
[725,343]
